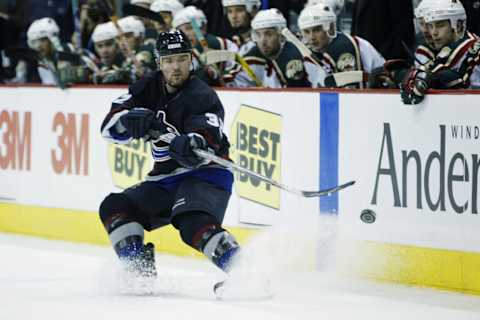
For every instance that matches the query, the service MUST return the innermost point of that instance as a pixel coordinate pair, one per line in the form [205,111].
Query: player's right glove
[139,122]
[414,86]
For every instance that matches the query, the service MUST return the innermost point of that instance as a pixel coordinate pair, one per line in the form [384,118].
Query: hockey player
[336,51]
[203,42]
[134,35]
[43,36]
[182,189]
[456,63]
[133,31]
[104,38]
[425,51]
[240,14]
[167,9]
[111,59]
[276,62]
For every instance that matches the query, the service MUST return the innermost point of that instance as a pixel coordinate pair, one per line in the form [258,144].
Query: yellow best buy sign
[129,163]
[256,144]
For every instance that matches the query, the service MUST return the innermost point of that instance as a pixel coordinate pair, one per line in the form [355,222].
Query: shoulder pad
[138,87]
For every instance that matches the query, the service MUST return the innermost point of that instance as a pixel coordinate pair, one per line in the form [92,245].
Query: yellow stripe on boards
[85,227]
[439,268]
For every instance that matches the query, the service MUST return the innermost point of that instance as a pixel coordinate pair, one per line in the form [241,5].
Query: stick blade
[327,192]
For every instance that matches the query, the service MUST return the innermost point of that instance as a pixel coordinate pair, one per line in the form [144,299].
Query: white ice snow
[44,279]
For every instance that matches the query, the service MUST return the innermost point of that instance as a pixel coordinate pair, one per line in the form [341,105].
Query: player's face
[176,68]
[442,33]
[238,16]
[132,41]
[189,32]
[106,50]
[315,38]
[44,47]
[425,32]
[268,41]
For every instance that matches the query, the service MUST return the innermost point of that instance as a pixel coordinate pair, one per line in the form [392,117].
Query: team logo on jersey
[346,62]
[475,48]
[159,147]
[294,70]
[444,53]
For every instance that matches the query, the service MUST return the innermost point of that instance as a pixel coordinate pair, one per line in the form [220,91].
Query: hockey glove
[414,87]
[139,122]
[397,70]
[181,149]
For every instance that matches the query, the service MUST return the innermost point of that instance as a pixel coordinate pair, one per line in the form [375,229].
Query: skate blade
[242,292]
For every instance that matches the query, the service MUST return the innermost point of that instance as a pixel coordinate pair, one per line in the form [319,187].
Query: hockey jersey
[288,69]
[351,53]
[457,65]
[194,108]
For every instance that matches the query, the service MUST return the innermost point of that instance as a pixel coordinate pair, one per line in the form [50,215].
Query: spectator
[28,11]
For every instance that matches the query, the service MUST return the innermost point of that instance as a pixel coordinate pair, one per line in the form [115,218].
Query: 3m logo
[71,153]
[256,139]
[15,140]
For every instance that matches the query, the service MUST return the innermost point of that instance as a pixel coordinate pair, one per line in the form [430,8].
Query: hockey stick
[304,50]
[76,25]
[216,56]
[133,10]
[342,79]
[231,165]
[204,44]
[248,70]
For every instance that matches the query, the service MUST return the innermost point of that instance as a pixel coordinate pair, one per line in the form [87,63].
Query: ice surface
[44,279]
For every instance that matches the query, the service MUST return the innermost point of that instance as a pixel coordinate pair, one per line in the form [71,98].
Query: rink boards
[417,168]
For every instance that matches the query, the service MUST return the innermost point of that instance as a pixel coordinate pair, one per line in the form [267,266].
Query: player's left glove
[414,87]
[182,146]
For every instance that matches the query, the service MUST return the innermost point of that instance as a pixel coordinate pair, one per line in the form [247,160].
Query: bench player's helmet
[249,4]
[451,10]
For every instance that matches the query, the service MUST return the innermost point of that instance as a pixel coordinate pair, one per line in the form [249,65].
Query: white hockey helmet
[139,2]
[422,8]
[270,18]
[104,31]
[190,12]
[43,28]
[249,4]
[336,5]
[451,10]
[132,24]
[172,6]
[319,15]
